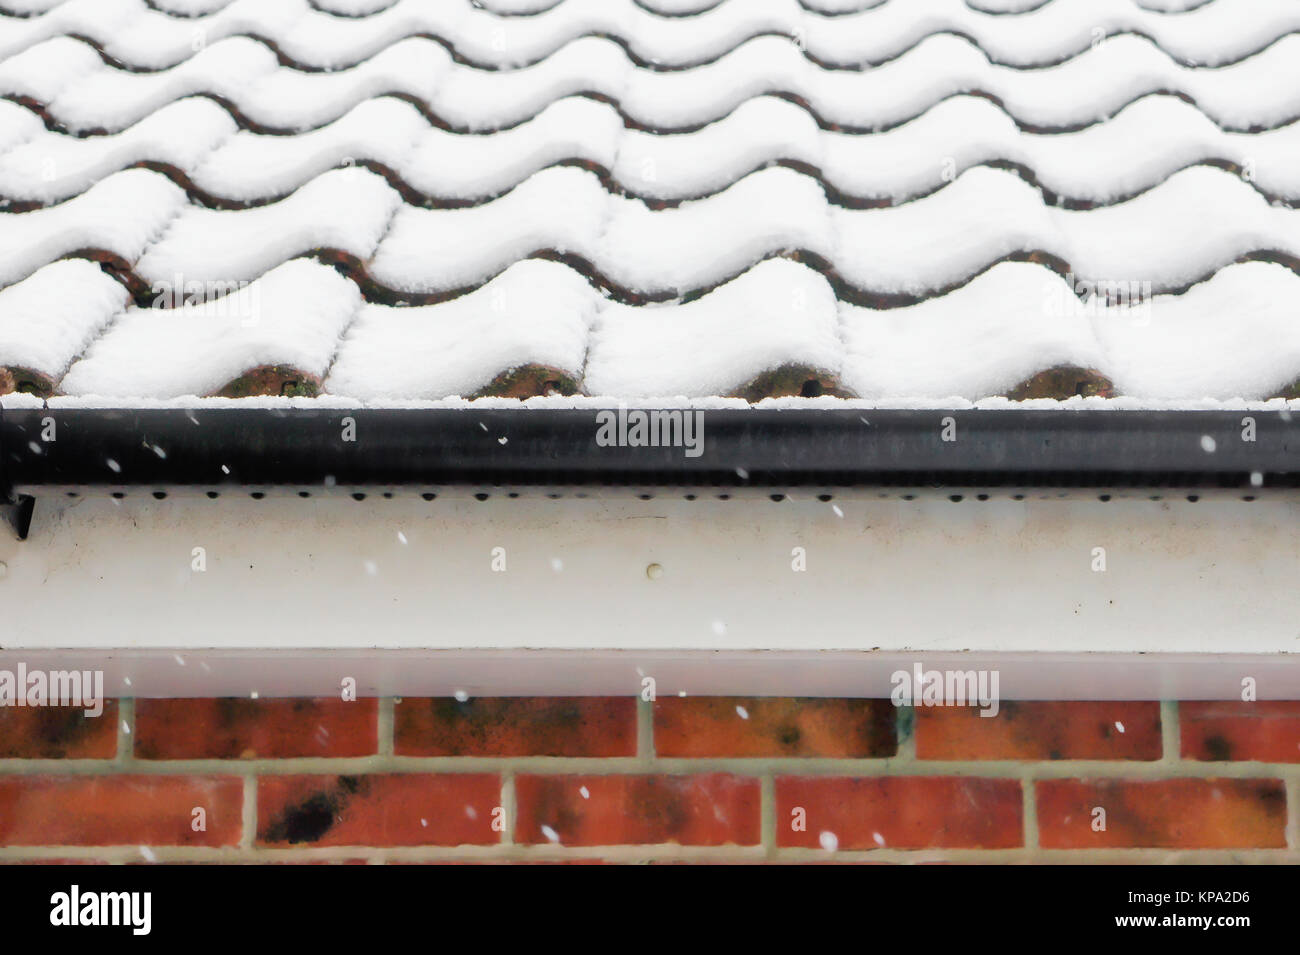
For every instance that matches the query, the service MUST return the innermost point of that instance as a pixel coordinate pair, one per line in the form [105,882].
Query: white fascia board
[997,579]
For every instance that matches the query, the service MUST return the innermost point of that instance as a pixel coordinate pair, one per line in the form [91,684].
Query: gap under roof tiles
[404,200]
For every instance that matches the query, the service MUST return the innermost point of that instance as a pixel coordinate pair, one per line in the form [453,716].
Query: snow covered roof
[416,199]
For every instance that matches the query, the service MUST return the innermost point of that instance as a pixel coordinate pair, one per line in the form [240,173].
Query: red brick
[254,861]
[703,810]
[58,732]
[900,812]
[119,810]
[53,862]
[1263,731]
[397,809]
[1166,813]
[511,862]
[244,728]
[537,726]
[773,726]
[1040,730]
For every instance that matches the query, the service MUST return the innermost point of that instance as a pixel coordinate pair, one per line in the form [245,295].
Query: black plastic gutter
[216,447]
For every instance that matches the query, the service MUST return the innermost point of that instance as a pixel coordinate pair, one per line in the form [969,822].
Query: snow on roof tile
[50,318]
[290,318]
[418,199]
[535,313]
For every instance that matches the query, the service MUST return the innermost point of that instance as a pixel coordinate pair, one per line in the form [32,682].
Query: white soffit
[927,575]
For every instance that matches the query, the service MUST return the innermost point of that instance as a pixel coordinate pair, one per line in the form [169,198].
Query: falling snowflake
[829,841]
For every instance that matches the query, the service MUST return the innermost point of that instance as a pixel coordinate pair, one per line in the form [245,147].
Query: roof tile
[895,200]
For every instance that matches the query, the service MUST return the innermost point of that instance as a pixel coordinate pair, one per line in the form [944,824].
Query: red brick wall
[705,779]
